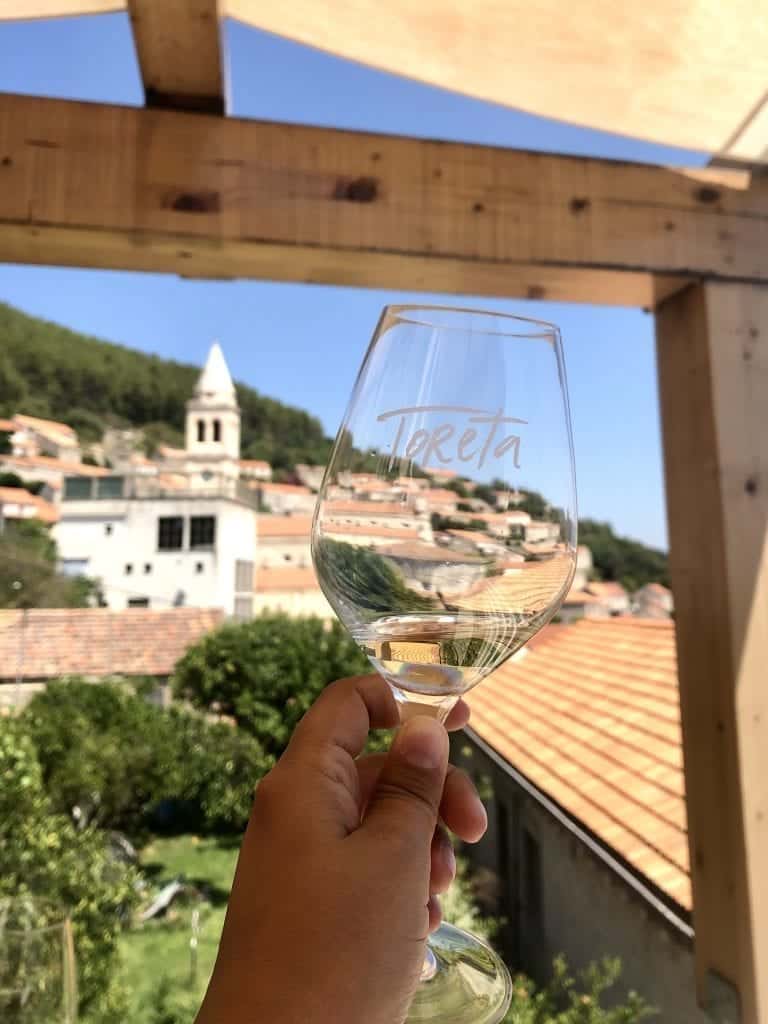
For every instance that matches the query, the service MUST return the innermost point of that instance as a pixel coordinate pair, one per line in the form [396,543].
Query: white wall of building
[293,602]
[102,538]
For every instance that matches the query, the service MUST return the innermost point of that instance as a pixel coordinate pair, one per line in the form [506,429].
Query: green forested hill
[48,370]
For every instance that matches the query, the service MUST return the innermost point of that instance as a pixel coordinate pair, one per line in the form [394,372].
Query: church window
[217,430]
[201,430]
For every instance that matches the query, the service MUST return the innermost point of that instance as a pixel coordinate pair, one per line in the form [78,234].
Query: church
[177,531]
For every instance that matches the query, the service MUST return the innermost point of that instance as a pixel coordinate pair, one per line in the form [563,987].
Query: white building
[34,436]
[186,536]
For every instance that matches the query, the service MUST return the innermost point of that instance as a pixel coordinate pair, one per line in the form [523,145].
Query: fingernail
[423,743]
[482,811]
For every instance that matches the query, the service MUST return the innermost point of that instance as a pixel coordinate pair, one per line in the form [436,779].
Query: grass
[156,956]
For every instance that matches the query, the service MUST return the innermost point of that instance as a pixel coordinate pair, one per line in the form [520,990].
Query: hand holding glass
[445,538]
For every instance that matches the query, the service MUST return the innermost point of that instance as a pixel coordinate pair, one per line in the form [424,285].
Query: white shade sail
[691,73]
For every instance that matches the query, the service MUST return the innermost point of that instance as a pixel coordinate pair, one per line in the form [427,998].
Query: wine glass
[444,538]
[37,964]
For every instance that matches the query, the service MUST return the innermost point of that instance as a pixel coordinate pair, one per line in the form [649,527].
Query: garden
[127,817]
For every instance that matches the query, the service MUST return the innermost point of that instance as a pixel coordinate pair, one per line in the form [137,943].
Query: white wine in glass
[444,538]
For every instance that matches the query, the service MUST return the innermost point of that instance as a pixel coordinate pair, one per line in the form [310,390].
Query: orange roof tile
[359,530]
[47,462]
[254,464]
[419,552]
[440,495]
[268,527]
[366,508]
[606,588]
[297,489]
[7,426]
[443,474]
[44,510]
[52,427]
[286,579]
[99,642]
[592,717]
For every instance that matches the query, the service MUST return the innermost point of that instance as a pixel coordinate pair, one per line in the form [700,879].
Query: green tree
[265,673]
[112,759]
[365,581]
[28,577]
[11,479]
[44,857]
[618,558]
[91,384]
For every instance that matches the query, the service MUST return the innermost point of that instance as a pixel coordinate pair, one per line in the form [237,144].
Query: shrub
[569,1000]
[43,856]
[265,673]
[111,759]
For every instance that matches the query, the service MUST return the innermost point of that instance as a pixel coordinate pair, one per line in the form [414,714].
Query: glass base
[463,982]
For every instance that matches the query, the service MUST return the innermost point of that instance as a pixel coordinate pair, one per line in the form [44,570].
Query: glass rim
[405,313]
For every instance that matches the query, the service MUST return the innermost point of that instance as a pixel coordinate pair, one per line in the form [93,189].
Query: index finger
[343,715]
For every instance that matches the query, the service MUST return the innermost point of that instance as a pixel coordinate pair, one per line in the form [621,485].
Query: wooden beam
[713,366]
[94,185]
[23,10]
[179,51]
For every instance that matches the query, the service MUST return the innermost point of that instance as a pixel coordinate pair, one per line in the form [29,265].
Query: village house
[35,436]
[576,744]
[17,503]
[183,536]
[42,644]
[653,601]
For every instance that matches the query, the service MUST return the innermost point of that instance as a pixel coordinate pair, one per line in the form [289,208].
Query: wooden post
[713,369]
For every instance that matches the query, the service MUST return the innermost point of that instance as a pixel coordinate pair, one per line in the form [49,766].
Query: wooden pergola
[181,188]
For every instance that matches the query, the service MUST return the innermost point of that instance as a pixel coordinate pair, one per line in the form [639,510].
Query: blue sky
[277,336]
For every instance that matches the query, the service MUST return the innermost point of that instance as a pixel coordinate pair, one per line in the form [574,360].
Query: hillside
[48,370]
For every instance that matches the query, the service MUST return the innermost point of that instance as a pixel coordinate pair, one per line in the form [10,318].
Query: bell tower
[213,415]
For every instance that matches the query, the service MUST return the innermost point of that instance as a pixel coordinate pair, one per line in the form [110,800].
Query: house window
[138,602]
[243,576]
[199,567]
[128,568]
[202,532]
[243,608]
[170,533]
[217,430]
[147,568]
[108,529]
[286,558]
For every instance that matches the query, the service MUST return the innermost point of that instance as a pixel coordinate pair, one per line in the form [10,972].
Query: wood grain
[713,367]
[94,185]
[179,52]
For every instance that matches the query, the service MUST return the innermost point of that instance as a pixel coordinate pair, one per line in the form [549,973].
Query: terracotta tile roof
[286,579]
[591,715]
[98,642]
[418,552]
[607,588]
[268,527]
[44,510]
[52,428]
[32,462]
[359,530]
[254,464]
[298,489]
[440,495]
[7,426]
[443,474]
[366,508]
[525,587]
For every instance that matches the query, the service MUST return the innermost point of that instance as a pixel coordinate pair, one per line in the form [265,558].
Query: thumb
[406,800]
